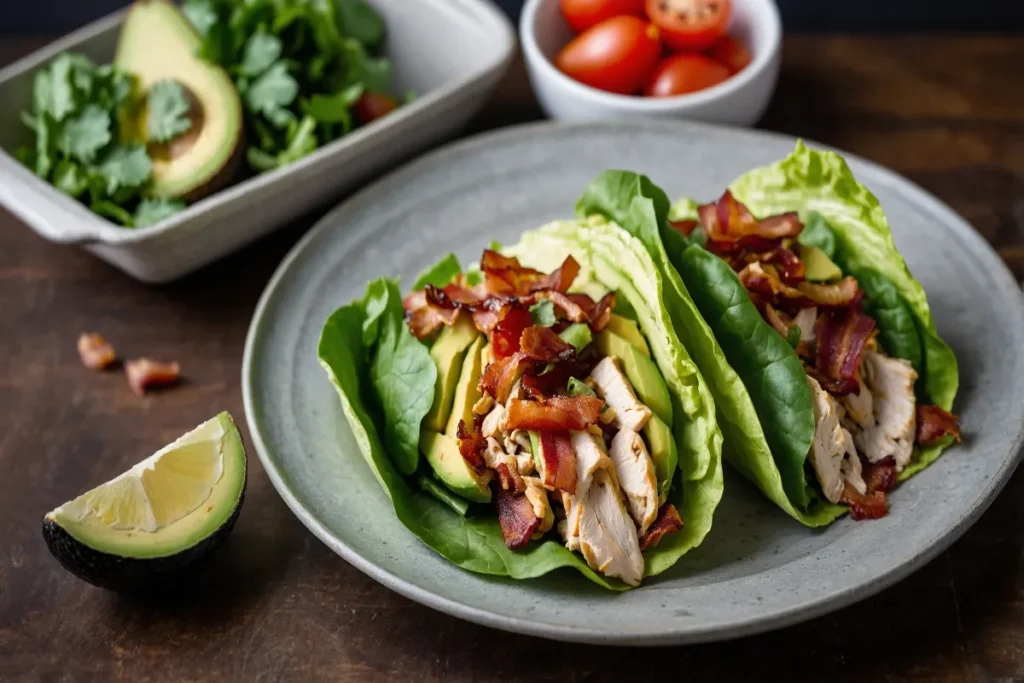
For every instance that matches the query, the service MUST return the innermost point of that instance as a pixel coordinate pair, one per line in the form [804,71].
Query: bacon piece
[881,475]
[730,226]
[559,460]
[775,320]
[506,334]
[505,275]
[500,376]
[516,516]
[425,315]
[510,479]
[554,382]
[667,521]
[471,445]
[933,423]
[95,352]
[558,412]
[879,478]
[602,312]
[841,336]
[570,309]
[542,344]
[146,373]
[765,281]
[560,279]
[792,266]
[486,319]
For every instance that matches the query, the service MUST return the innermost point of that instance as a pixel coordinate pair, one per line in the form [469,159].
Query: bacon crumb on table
[96,353]
[144,374]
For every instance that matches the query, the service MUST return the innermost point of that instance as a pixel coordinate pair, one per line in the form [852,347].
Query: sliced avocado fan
[159,516]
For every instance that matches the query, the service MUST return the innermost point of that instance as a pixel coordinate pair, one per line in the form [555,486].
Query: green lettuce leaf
[612,259]
[752,383]
[820,182]
[439,274]
[473,543]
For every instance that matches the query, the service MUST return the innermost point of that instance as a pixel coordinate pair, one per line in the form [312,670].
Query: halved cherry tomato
[681,74]
[690,25]
[373,105]
[616,55]
[731,52]
[582,14]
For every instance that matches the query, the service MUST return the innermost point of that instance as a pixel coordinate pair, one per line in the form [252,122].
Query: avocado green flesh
[630,331]
[181,535]
[663,450]
[448,352]
[641,372]
[818,267]
[442,452]
[157,43]
[467,391]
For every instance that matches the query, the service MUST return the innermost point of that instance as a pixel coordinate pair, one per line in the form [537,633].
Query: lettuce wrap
[423,381]
[812,443]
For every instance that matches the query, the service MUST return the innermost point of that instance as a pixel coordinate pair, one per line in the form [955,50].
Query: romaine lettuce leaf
[754,375]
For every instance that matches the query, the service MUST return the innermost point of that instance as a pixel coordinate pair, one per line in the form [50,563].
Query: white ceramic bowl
[452,53]
[739,101]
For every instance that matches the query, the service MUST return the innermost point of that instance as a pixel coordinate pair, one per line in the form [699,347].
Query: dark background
[55,16]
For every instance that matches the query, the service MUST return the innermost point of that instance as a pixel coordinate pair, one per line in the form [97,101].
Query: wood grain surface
[276,604]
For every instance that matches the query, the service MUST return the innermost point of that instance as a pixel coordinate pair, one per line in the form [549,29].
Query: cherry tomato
[616,55]
[690,25]
[731,52]
[582,14]
[373,105]
[681,74]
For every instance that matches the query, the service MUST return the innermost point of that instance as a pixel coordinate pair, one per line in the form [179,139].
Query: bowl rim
[96,229]
[761,63]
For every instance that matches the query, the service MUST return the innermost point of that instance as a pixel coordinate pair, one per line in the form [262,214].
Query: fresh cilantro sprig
[79,146]
[300,67]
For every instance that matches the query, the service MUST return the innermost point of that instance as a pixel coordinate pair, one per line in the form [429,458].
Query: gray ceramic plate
[758,569]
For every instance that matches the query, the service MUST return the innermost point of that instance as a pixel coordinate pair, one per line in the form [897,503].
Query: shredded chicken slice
[597,522]
[611,385]
[494,423]
[833,455]
[635,472]
[495,455]
[483,405]
[891,383]
[859,408]
[538,497]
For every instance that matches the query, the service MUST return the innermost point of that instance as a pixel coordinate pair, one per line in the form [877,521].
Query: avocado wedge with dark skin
[115,556]
[159,45]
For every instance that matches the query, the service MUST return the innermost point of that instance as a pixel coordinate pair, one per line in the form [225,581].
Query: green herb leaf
[261,51]
[273,91]
[86,134]
[577,334]
[260,160]
[543,313]
[70,178]
[358,20]
[126,167]
[155,209]
[372,72]
[45,144]
[578,388]
[111,210]
[335,108]
[54,92]
[302,142]
[202,15]
[793,336]
[167,111]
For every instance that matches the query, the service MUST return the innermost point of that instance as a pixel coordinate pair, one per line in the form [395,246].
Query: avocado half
[133,560]
[157,43]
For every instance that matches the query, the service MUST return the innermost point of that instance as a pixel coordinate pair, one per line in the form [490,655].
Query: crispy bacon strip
[516,516]
[471,445]
[792,266]
[933,423]
[685,227]
[667,521]
[569,304]
[425,316]
[500,376]
[555,381]
[96,353]
[486,319]
[144,374]
[841,337]
[542,344]
[559,460]
[510,479]
[507,333]
[602,312]
[765,281]
[880,477]
[505,275]
[560,279]
[730,226]
[557,412]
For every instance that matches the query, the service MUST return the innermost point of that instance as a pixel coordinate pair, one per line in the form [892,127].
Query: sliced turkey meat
[617,392]
[635,472]
[833,455]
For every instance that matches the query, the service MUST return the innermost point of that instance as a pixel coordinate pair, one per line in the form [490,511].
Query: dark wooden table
[276,604]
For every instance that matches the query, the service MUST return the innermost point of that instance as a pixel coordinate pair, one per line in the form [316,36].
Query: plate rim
[793,614]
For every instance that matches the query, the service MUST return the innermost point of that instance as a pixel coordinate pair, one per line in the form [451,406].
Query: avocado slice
[467,391]
[448,351]
[158,43]
[663,450]
[451,468]
[630,331]
[818,267]
[148,524]
[641,372]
